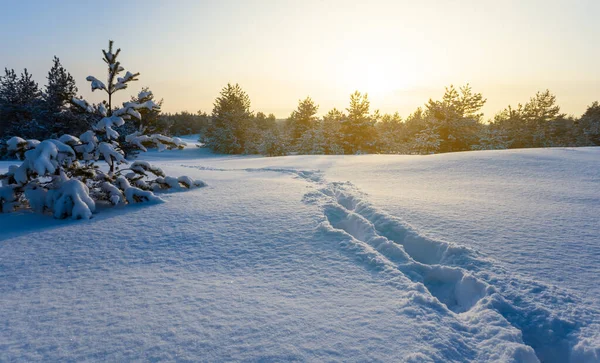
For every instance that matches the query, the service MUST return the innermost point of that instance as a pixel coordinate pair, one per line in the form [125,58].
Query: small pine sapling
[60,176]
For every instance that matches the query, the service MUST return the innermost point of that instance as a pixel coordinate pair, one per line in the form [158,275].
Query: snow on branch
[19,146]
[96,83]
[83,104]
[106,125]
[158,141]
[72,199]
[60,176]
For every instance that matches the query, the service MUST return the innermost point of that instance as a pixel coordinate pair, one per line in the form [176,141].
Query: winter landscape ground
[474,256]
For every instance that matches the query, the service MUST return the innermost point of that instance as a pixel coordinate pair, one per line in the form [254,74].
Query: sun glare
[377,77]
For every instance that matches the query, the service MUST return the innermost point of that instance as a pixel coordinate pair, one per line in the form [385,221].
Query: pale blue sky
[401,52]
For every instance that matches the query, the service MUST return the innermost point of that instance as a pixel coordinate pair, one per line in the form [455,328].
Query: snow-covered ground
[476,256]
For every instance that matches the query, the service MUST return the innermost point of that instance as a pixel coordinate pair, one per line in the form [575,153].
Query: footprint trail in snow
[475,289]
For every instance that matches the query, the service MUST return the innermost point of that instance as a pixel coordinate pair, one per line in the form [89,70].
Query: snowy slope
[459,257]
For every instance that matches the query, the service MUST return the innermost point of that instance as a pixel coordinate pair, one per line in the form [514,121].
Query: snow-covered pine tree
[150,121]
[60,176]
[272,144]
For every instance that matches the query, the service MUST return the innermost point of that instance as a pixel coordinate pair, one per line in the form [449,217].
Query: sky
[400,52]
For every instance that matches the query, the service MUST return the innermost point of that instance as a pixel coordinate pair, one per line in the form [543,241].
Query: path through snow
[272,263]
[454,276]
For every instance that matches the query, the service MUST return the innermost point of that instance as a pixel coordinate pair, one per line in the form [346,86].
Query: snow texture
[467,257]
[72,199]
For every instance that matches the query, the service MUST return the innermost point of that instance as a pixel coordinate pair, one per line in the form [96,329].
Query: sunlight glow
[377,76]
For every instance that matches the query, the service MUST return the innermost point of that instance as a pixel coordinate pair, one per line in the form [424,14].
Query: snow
[159,141]
[89,142]
[110,155]
[7,198]
[115,194]
[69,140]
[141,167]
[44,158]
[475,256]
[95,83]
[102,109]
[149,105]
[72,199]
[144,94]
[83,104]
[128,77]
[15,143]
[106,124]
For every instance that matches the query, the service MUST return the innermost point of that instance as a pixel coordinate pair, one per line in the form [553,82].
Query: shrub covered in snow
[60,176]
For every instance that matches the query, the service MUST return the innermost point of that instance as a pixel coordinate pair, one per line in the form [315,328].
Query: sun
[378,77]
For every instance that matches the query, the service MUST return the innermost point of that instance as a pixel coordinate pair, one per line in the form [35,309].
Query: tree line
[453,123]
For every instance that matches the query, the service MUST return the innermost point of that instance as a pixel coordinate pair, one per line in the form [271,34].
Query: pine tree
[231,121]
[389,134]
[541,113]
[19,102]
[589,126]
[115,83]
[427,141]
[60,175]
[151,121]
[358,128]
[187,123]
[302,119]
[28,89]
[413,124]
[9,88]
[513,124]
[332,124]
[9,95]
[60,89]
[264,122]
[58,115]
[456,118]
[538,123]
[542,108]
[272,143]
[491,138]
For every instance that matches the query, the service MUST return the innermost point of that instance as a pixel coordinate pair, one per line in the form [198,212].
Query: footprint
[458,291]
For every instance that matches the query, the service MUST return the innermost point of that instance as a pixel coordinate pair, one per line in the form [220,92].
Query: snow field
[312,258]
